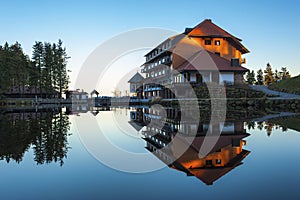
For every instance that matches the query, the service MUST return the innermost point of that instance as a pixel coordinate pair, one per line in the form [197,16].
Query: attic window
[217,42]
[207,42]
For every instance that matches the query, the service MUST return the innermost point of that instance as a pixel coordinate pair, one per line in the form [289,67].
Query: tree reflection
[46,132]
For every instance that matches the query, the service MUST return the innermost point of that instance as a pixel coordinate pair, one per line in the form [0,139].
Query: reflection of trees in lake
[250,125]
[268,126]
[45,132]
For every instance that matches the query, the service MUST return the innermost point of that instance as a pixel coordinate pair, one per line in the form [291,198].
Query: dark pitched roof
[174,40]
[208,29]
[137,78]
[95,92]
[207,61]
[136,126]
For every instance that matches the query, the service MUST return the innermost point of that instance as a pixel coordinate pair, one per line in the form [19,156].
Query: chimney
[187,30]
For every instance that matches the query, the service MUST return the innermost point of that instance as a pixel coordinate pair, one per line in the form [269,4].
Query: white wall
[193,77]
[226,77]
[206,77]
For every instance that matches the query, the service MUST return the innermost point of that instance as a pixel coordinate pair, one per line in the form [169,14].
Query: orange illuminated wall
[190,158]
[220,45]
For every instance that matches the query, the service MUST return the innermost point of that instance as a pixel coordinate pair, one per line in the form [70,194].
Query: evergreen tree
[62,59]
[250,77]
[277,76]
[260,77]
[45,73]
[37,65]
[285,73]
[269,75]
[19,65]
[47,68]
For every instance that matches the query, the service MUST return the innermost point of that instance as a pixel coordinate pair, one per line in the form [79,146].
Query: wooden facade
[205,53]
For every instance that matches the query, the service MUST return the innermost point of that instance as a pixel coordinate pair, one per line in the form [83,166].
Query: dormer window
[207,42]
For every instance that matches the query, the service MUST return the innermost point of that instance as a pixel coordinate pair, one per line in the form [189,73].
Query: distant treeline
[44,74]
[267,76]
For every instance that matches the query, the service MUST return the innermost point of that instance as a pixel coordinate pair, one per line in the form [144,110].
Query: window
[209,162]
[219,161]
[207,42]
[217,42]
[218,53]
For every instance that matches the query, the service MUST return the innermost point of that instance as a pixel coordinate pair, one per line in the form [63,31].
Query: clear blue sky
[269,29]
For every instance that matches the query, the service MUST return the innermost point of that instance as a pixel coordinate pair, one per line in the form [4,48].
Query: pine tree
[260,77]
[36,66]
[285,73]
[47,68]
[46,71]
[277,76]
[250,77]
[269,75]
[62,59]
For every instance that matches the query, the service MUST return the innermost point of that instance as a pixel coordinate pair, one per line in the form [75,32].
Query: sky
[269,29]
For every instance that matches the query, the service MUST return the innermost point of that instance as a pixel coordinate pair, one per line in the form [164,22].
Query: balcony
[243,61]
[159,53]
[153,89]
[150,66]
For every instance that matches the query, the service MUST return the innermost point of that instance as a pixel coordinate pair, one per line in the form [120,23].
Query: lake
[147,153]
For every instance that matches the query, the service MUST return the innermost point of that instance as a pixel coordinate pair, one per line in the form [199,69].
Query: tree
[14,68]
[37,65]
[47,69]
[277,76]
[260,77]
[285,74]
[50,61]
[269,75]
[5,71]
[250,77]
[61,58]
[116,92]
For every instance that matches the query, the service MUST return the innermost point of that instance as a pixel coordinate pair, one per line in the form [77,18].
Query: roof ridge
[216,27]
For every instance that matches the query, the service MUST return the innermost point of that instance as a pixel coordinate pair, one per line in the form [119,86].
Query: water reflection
[45,131]
[166,131]
[224,156]
[171,134]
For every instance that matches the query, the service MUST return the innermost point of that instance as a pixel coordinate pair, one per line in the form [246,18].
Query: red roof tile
[207,61]
[209,29]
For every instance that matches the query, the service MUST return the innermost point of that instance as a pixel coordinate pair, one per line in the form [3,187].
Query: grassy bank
[291,85]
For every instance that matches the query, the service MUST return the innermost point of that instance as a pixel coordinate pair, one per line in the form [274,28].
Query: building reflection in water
[45,131]
[160,133]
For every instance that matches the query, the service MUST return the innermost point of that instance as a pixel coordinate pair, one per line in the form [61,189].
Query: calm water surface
[44,155]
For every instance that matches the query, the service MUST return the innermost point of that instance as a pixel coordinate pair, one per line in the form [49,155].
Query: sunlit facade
[203,54]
